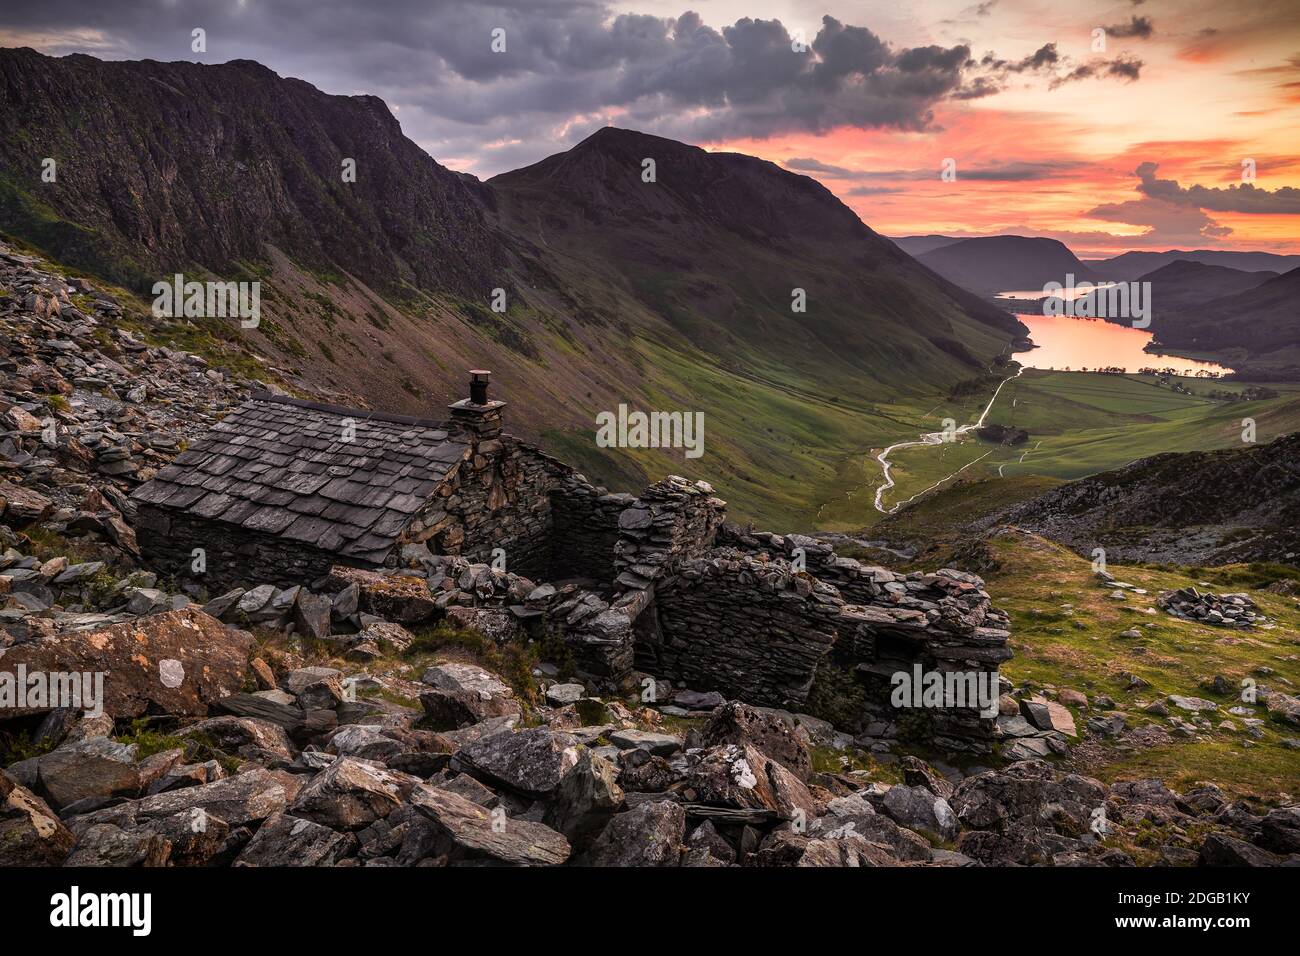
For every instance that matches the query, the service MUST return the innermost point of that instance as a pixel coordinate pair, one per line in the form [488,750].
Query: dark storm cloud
[569,66]
[1245,197]
[1044,58]
[1139,27]
[1123,67]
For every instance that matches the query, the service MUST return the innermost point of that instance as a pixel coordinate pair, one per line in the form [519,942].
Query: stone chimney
[478,415]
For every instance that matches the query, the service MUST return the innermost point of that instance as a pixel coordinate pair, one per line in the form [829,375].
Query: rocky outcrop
[1193,508]
[178,662]
[1222,610]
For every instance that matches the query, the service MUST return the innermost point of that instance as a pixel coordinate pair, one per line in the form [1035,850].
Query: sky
[1108,124]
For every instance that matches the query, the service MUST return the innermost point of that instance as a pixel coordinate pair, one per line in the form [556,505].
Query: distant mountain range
[726,284]
[1125,267]
[1239,307]
[1259,324]
[1133,265]
[1183,286]
[917,245]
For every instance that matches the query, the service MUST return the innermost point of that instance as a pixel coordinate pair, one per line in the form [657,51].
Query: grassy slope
[1079,648]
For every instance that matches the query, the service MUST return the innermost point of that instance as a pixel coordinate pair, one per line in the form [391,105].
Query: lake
[1065,342]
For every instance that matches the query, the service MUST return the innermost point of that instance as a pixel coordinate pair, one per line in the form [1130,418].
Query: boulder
[177,663]
[1280,830]
[104,844]
[285,840]
[240,800]
[586,798]
[738,723]
[1283,708]
[649,835]
[662,745]
[786,848]
[474,832]
[1028,790]
[301,678]
[462,695]
[265,709]
[741,777]
[707,839]
[20,506]
[497,625]
[73,775]
[918,773]
[311,614]
[404,598]
[1048,715]
[874,828]
[560,695]
[534,761]
[247,736]
[31,834]
[350,794]
[1219,849]
[918,809]
[386,636]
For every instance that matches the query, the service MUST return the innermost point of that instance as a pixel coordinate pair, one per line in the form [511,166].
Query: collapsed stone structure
[658,584]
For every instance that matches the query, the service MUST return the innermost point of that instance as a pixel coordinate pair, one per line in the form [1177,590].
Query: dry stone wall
[752,629]
[673,518]
[232,555]
[584,529]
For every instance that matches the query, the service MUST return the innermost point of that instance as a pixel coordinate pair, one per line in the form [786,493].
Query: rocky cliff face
[174,165]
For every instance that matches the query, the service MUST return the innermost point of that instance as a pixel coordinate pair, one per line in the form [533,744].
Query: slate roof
[279,466]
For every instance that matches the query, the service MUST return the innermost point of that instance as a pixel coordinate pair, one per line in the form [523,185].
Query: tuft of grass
[513,663]
[18,745]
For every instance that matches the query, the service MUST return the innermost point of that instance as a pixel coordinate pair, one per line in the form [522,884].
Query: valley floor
[1079,423]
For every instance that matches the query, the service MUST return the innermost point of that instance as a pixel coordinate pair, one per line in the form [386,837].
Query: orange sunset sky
[1219,83]
[1138,146]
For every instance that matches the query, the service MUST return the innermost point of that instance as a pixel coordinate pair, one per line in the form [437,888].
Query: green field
[1067,632]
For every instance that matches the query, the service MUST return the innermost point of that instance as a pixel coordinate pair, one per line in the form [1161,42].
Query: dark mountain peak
[604,179]
[155,142]
[1004,263]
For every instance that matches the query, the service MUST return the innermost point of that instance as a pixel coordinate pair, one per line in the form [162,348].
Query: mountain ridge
[678,294]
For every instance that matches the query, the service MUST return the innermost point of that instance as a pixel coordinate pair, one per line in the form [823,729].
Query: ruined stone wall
[751,629]
[498,496]
[234,556]
[890,622]
[673,518]
[584,529]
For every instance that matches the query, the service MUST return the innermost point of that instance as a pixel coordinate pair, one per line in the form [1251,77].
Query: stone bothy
[656,585]
[282,489]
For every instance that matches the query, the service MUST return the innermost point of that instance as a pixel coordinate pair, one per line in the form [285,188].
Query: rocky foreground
[324,768]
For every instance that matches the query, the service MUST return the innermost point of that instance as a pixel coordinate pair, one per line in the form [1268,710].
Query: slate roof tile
[279,466]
